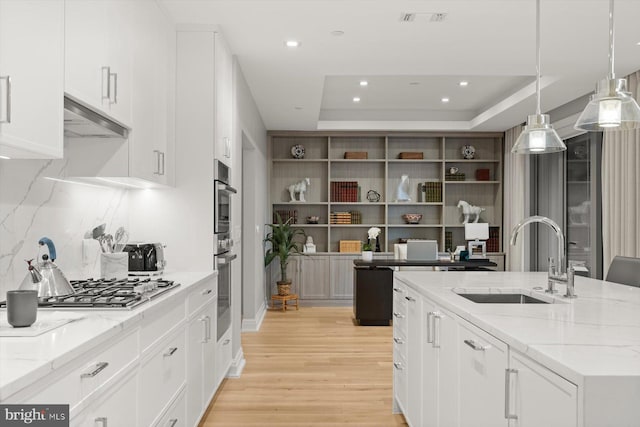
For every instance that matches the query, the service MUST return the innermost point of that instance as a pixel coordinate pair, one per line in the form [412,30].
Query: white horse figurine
[300,188]
[468,210]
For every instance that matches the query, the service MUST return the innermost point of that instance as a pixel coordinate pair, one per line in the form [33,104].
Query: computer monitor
[422,250]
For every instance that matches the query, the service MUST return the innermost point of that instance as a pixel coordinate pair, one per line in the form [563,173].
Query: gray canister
[22,308]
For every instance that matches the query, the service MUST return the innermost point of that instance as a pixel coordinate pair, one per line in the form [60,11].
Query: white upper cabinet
[31,78]
[153,44]
[224,100]
[98,69]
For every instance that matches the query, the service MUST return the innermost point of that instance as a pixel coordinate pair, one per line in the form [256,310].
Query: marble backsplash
[32,206]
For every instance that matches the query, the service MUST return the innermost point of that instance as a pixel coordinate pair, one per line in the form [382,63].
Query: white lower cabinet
[116,407]
[201,362]
[448,372]
[162,375]
[539,397]
[415,361]
[176,416]
[223,356]
[482,363]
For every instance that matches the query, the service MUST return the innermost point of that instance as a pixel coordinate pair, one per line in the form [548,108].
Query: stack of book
[356,217]
[344,191]
[433,191]
[286,215]
[493,244]
[454,176]
[448,241]
[340,218]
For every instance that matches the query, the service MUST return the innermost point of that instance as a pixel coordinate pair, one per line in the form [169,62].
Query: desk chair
[624,270]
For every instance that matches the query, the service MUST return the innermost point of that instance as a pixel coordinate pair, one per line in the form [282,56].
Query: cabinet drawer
[200,295]
[160,322]
[116,407]
[223,356]
[98,369]
[176,416]
[400,381]
[161,376]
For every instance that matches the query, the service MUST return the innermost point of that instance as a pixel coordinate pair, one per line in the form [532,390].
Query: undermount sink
[504,296]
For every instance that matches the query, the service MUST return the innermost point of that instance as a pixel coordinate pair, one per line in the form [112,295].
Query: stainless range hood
[81,121]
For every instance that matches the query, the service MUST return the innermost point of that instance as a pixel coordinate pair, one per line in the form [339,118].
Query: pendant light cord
[538,111]
[611,48]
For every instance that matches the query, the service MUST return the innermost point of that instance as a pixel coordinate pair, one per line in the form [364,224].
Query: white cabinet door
[314,283]
[117,407]
[31,78]
[224,99]
[341,277]
[201,355]
[482,364]
[445,340]
[150,93]
[539,397]
[98,55]
[415,360]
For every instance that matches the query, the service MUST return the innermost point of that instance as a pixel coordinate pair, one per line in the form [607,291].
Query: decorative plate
[297,151]
[468,152]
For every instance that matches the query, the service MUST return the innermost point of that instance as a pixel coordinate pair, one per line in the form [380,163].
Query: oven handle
[225,259]
[226,188]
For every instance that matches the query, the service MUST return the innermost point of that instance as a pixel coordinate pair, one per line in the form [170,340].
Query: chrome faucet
[561,274]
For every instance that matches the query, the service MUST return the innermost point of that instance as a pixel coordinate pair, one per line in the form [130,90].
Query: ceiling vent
[422,16]
[407,17]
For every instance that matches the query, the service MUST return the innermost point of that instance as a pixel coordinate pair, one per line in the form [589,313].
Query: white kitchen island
[572,362]
[156,364]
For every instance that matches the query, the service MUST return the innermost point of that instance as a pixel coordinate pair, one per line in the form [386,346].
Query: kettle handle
[52,249]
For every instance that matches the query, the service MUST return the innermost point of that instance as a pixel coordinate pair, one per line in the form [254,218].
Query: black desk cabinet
[373,295]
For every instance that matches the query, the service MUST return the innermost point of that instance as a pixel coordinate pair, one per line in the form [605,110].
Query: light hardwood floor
[313,368]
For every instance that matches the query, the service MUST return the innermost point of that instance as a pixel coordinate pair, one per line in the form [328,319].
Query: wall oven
[224,243]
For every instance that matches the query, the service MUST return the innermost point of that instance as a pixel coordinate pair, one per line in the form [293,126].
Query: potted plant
[367,248]
[282,238]
[367,253]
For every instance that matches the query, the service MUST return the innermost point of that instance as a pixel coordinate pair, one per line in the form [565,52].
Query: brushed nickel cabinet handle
[99,367]
[477,347]
[412,299]
[398,366]
[161,163]
[398,340]
[206,292]
[205,334]
[398,290]
[436,329]
[170,352]
[173,422]
[507,394]
[106,83]
[7,98]
[429,327]
[102,420]
[398,315]
[157,171]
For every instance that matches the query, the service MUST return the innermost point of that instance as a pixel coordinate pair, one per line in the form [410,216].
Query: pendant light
[538,136]
[612,107]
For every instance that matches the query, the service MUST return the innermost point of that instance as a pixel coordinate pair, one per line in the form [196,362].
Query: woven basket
[284,288]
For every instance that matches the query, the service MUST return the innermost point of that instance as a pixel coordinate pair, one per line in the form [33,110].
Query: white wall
[32,207]
[251,132]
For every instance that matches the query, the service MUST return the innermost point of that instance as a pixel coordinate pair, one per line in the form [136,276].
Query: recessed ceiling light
[292,43]
[297,107]
[464,83]
[5,157]
[364,83]
[445,100]
[356,99]
[414,83]
[337,33]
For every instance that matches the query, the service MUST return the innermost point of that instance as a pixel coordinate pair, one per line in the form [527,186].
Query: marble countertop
[24,360]
[595,335]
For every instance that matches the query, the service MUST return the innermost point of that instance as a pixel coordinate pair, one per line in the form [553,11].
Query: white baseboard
[237,365]
[253,325]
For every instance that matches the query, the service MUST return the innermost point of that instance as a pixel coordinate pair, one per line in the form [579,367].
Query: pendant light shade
[538,136]
[612,107]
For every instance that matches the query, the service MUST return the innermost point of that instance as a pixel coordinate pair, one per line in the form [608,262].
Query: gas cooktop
[108,294]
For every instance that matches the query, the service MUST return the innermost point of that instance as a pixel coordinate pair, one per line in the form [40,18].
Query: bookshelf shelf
[324,164]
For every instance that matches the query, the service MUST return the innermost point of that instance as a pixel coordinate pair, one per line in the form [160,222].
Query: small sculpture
[300,188]
[468,210]
[579,215]
[373,196]
[309,246]
[403,189]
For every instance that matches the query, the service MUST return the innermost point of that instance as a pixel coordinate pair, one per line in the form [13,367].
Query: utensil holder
[115,265]
[22,308]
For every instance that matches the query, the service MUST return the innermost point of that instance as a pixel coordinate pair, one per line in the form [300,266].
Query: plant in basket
[284,242]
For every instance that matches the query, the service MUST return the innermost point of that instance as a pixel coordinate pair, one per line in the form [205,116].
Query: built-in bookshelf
[381,171]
